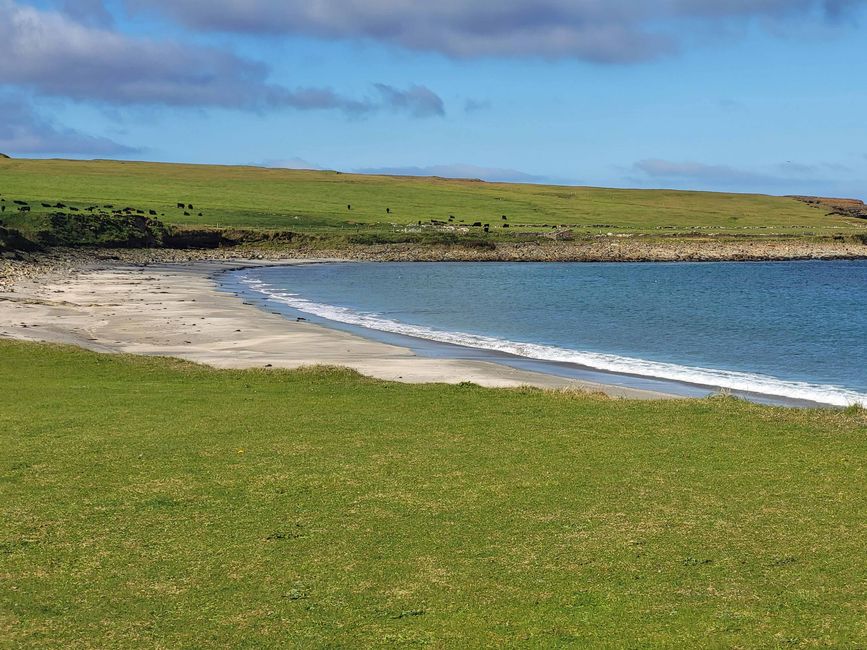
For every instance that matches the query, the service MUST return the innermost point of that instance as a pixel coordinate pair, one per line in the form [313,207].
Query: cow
[46,205]
[181,206]
[189,206]
[20,202]
[505,218]
[348,206]
[152,213]
[24,208]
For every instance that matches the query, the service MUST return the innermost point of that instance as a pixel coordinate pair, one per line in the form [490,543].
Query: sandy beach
[177,310]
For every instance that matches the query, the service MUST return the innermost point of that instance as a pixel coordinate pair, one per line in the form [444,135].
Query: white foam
[732,380]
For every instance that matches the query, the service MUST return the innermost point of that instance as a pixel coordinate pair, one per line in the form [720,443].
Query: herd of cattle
[188,209]
[105,210]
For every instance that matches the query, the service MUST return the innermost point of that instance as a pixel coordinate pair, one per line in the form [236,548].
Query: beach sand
[177,310]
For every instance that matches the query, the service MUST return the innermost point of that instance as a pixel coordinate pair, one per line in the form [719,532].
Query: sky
[762,96]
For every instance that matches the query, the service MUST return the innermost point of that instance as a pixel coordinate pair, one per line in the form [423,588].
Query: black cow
[388,211]
[181,206]
[477,224]
[152,213]
[74,209]
[20,202]
[59,206]
[190,206]
[46,205]
[505,218]
[186,214]
[24,208]
[348,206]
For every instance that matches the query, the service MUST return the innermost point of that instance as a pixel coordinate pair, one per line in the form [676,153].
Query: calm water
[788,329]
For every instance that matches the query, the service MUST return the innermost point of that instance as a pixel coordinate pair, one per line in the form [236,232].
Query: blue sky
[734,95]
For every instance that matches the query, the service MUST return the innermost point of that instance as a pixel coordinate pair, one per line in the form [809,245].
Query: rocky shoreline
[15,267]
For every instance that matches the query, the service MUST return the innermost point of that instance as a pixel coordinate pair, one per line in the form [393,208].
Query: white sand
[176,310]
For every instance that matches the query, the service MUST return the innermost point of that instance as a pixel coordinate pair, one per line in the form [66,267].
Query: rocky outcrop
[839,207]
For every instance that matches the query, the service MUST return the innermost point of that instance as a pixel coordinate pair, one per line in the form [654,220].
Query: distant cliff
[842,207]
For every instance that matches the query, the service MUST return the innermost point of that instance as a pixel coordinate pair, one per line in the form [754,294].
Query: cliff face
[842,207]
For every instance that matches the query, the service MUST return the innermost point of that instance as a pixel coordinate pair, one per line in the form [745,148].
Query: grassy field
[314,201]
[148,502]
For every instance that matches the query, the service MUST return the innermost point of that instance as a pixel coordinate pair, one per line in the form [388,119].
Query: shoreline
[15,266]
[178,310]
[231,281]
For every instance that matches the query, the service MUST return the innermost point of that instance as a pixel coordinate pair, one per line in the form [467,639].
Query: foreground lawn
[316,201]
[148,502]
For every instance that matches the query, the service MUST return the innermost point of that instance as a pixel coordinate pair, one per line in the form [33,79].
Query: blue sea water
[794,330]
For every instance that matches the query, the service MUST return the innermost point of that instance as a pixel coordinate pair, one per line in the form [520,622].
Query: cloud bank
[601,31]
[74,54]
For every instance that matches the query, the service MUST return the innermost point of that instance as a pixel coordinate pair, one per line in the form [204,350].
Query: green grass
[153,503]
[313,201]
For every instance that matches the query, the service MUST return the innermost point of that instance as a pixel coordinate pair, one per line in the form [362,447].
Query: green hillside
[317,201]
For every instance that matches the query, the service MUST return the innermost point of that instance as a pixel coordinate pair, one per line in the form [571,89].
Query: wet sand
[177,310]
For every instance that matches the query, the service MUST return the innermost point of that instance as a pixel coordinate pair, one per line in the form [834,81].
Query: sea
[775,332]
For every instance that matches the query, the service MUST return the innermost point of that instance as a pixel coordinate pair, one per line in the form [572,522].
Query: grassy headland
[286,208]
[153,502]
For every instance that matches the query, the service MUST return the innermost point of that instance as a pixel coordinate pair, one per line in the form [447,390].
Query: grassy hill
[317,202]
[153,503]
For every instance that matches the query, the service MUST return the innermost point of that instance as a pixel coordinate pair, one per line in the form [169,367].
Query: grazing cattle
[139,211]
[181,206]
[348,206]
[505,225]
[74,209]
[20,202]
[24,208]
[90,209]
[477,224]
[200,214]
[152,213]
[505,217]
[487,227]
[59,206]
[46,205]
[186,214]
[388,211]
[190,206]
